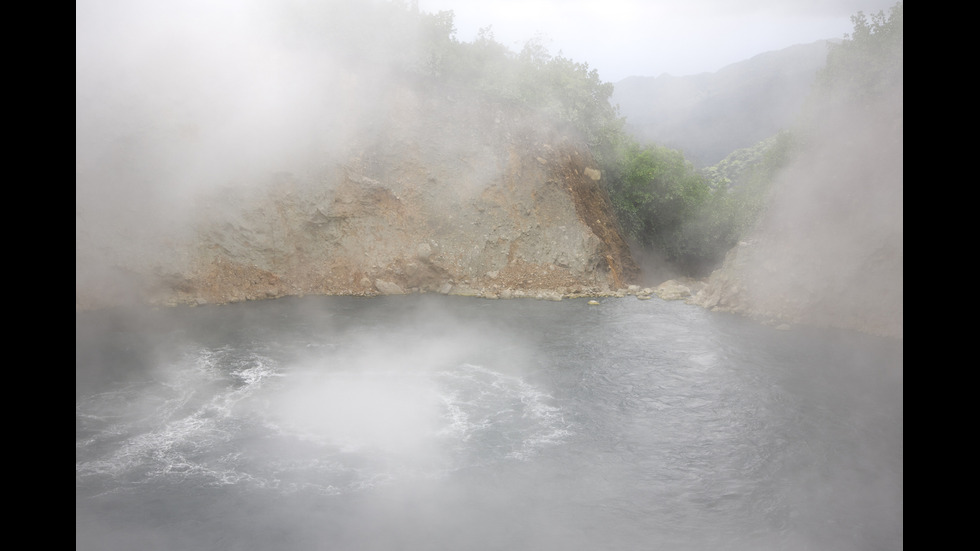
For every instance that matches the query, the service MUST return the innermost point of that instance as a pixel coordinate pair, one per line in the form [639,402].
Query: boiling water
[433,422]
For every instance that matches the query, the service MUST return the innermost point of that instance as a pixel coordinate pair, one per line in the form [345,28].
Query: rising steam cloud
[176,100]
[172,98]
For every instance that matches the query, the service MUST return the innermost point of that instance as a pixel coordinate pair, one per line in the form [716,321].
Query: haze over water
[433,422]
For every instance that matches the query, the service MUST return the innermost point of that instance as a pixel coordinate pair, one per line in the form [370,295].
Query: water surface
[434,422]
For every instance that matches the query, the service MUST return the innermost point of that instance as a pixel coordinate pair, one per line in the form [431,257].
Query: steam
[363,410]
[348,411]
[832,239]
[174,98]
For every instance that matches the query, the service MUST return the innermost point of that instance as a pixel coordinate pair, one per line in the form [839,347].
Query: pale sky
[622,38]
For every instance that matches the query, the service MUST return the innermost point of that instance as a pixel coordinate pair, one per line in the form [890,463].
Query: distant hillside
[709,115]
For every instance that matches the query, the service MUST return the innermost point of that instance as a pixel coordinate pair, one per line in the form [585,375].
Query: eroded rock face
[452,197]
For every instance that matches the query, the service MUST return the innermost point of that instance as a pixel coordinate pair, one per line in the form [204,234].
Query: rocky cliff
[453,194]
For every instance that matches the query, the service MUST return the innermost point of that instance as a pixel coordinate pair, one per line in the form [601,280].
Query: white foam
[488,405]
[219,419]
[168,429]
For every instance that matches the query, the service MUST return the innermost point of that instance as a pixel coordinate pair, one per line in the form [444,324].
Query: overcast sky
[622,38]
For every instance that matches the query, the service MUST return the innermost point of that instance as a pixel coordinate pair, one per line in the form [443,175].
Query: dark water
[431,422]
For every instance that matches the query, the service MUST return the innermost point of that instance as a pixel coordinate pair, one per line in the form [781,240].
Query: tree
[867,65]
[656,192]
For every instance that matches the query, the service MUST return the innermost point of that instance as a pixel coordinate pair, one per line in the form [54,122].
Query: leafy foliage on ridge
[693,217]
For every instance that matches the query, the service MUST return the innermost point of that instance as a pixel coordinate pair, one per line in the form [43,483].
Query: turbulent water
[431,422]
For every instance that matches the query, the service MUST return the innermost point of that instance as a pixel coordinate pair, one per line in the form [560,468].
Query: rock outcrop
[451,196]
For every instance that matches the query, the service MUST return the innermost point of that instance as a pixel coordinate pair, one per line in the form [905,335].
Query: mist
[172,101]
[831,240]
[425,420]
[449,422]
[181,106]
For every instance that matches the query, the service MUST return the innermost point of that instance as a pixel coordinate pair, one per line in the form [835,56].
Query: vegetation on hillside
[693,217]
[562,90]
[690,216]
[392,38]
[869,63]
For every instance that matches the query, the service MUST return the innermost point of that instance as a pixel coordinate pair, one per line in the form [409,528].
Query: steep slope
[829,250]
[450,194]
